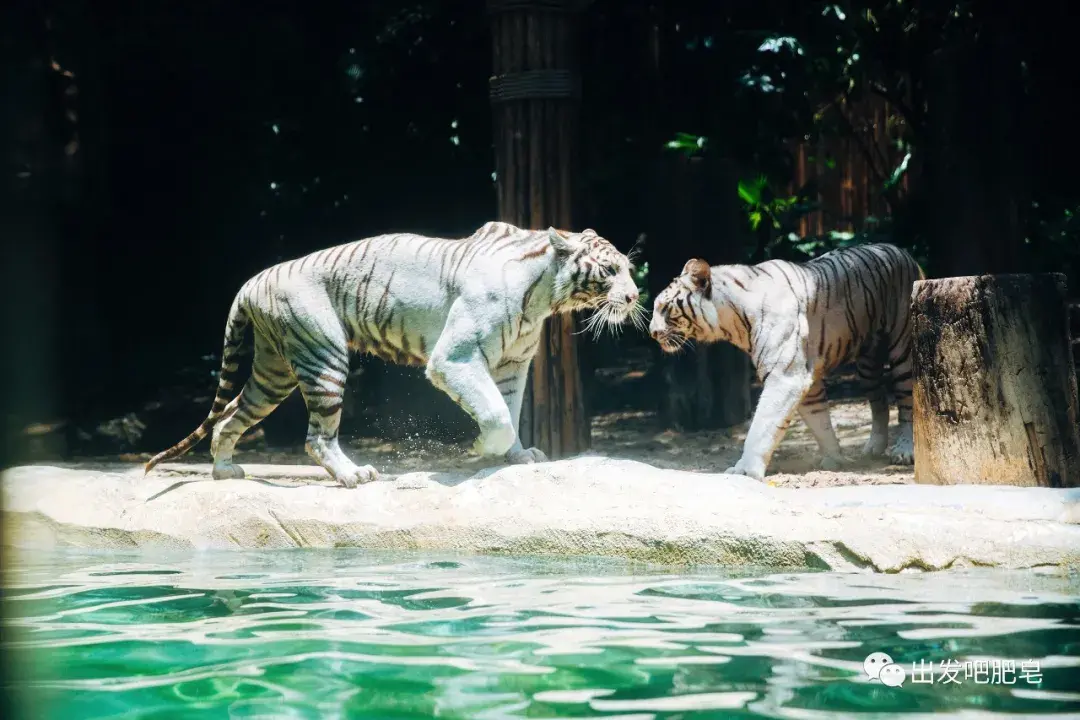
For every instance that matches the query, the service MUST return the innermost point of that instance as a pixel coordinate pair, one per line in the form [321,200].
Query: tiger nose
[655,334]
[632,297]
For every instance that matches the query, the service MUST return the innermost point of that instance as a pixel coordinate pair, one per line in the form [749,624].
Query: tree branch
[909,113]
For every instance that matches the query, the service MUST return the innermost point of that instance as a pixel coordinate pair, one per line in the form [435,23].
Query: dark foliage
[171,149]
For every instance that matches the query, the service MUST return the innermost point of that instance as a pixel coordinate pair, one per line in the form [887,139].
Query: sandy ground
[634,435]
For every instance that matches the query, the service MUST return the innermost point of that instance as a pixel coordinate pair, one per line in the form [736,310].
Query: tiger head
[594,275]
[683,311]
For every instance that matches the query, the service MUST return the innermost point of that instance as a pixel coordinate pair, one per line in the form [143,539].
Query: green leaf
[777,43]
[898,173]
[751,190]
[686,142]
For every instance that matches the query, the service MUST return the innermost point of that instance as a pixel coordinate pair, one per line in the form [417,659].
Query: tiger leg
[270,383]
[781,394]
[458,365]
[814,411]
[902,451]
[870,370]
[319,355]
[511,378]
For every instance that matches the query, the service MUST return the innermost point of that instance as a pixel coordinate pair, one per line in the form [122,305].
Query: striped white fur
[798,322]
[469,310]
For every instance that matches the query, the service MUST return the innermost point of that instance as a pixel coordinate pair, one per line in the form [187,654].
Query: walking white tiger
[471,310]
[798,322]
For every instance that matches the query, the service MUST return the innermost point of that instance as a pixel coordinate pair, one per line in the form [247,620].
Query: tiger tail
[235,328]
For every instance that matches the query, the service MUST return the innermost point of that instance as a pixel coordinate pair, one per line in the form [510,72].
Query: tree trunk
[1074,313]
[731,367]
[708,387]
[694,211]
[974,160]
[995,390]
[534,96]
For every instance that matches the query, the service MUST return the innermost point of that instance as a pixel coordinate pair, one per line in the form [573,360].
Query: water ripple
[348,634]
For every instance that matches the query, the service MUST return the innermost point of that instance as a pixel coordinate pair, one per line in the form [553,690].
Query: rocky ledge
[583,506]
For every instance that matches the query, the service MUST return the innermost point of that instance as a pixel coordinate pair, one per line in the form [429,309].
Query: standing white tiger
[471,310]
[798,322]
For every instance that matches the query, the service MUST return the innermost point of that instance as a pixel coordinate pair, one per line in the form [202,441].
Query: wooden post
[534,96]
[995,391]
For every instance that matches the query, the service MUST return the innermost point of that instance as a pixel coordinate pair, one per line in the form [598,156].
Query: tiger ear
[700,275]
[589,232]
[563,247]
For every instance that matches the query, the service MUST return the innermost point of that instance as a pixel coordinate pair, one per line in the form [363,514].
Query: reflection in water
[349,634]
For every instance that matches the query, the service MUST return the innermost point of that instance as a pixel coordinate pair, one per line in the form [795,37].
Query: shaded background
[160,153]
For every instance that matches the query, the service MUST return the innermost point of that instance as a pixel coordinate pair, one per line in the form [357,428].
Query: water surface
[347,634]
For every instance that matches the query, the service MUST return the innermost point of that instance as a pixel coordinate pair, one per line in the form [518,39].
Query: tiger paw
[833,462]
[525,456]
[358,476]
[875,446]
[227,471]
[902,452]
[750,470]
[497,441]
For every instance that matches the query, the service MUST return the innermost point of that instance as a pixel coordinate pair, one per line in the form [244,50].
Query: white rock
[582,506]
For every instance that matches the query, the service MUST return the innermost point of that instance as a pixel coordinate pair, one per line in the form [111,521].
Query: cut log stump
[995,397]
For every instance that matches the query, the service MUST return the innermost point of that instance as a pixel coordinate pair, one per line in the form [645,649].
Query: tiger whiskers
[610,317]
[636,249]
[639,317]
[674,344]
[683,345]
[591,326]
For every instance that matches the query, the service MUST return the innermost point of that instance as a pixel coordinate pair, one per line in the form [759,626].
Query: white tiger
[798,322]
[470,310]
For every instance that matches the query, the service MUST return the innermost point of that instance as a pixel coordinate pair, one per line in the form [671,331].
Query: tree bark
[731,367]
[994,385]
[974,161]
[534,94]
[708,387]
[694,211]
[1074,329]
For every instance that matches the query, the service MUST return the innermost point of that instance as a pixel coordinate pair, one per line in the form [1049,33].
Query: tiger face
[681,312]
[595,275]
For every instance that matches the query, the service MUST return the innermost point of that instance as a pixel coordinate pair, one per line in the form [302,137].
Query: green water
[345,634]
